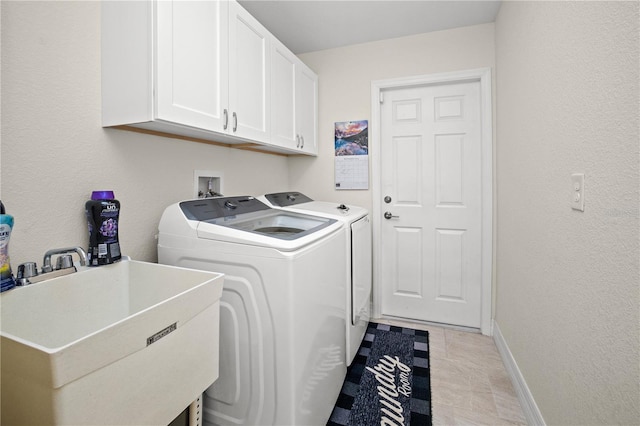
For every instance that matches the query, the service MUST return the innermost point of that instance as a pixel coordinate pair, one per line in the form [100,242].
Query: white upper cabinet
[249,75]
[199,69]
[307,109]
[191,66]
[283,101]
[294,101]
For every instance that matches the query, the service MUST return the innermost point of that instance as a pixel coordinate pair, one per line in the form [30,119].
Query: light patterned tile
[472,349]
[442,414]
[463,397]
[501,382]
[508,407]
[462,417]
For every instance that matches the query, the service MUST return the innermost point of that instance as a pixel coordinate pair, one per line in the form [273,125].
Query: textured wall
[568,283]
[345,90]
[54,151]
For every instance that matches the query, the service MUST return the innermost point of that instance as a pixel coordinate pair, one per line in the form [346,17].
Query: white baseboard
[530,409]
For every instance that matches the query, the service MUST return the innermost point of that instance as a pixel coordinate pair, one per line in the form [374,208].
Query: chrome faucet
[46,261]
[28,272]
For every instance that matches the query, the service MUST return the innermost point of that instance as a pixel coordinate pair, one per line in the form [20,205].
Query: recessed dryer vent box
[207,183]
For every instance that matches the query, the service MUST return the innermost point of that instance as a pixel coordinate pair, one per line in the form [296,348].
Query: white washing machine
[282,313]
[358,255]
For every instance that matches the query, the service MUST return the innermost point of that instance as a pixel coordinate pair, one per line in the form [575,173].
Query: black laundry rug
[388,382]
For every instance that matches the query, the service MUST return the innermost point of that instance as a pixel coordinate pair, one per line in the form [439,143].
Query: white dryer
[358,253]
[282,313]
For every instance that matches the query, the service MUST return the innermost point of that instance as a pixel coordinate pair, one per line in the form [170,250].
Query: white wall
[54,151]
[345,76]
[568,283]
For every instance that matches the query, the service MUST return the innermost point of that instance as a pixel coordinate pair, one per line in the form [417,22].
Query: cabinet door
[191,85]
[307,108]
[283,96]
[249,76]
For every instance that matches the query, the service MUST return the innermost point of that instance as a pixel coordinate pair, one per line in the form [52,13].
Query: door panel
[449,264]
[408,243]
[407,152]
[449,169]
[431,169]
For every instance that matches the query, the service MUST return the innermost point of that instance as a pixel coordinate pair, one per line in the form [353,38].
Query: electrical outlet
[577,193]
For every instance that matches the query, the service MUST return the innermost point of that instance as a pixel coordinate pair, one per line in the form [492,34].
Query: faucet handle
[65,261]
[27,270]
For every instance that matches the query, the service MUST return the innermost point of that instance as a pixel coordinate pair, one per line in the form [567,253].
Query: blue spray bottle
[7,282]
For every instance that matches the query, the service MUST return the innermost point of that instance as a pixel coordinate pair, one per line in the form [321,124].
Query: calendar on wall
[352,154]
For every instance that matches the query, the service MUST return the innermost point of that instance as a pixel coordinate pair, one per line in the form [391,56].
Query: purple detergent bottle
[103,212]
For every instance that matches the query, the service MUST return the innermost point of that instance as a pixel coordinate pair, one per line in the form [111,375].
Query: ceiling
[311,25]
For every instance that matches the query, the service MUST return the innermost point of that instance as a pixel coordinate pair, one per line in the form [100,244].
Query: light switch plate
[577,191]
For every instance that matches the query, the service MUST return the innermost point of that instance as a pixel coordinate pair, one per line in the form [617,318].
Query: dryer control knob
[228,204]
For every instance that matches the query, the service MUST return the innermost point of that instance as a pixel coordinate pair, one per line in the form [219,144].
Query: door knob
[388,215]
[387,199]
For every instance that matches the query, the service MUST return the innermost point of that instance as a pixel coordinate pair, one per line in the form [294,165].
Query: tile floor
[469,383]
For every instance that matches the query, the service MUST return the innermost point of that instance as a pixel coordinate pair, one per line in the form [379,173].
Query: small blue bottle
[7,282]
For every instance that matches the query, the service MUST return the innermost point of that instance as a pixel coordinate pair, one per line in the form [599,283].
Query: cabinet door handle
[235,122]
[226,120]
[301,141]
[297,141]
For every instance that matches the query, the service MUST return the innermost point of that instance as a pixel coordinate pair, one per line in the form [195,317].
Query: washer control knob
[228,204]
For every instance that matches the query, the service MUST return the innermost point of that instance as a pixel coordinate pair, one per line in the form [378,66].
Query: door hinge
[381,94]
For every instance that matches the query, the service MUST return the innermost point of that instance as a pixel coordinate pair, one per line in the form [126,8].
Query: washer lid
[221,207]
[247,220]
[276,224]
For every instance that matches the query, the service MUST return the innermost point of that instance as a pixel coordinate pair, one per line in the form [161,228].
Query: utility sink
[127,343]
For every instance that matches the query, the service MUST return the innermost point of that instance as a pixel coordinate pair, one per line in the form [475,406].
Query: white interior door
[431,199]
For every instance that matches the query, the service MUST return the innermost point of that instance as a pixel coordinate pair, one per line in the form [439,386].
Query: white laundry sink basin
[128,343]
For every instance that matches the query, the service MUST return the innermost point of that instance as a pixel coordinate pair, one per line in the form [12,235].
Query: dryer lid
[286,199]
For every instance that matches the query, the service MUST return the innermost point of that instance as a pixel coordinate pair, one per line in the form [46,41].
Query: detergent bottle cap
[102,195]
